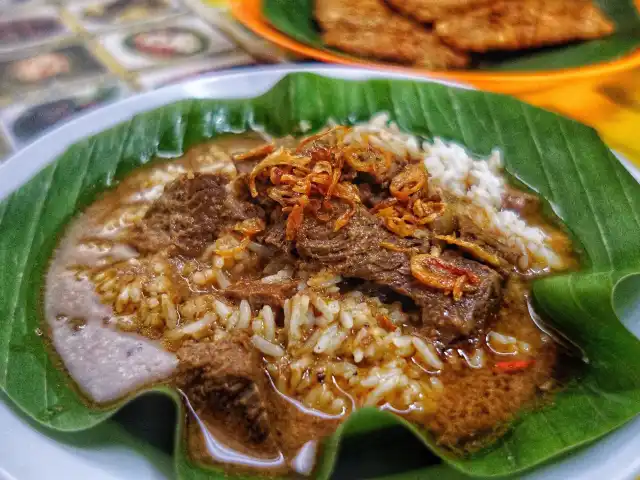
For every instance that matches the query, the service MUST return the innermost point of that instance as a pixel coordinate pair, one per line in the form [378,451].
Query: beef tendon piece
[429,10]
[225,378]
[515,25]
[369,28]
[192,212]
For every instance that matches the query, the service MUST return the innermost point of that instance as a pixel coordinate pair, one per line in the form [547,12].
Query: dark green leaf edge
[295,18]
[542,150]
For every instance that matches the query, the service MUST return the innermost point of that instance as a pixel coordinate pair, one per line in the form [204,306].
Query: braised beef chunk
[469,313]
[192,212]
[259,294]
[372,195]
[275,234]
[521,202]
[355,246]
[361,249]
[225,378]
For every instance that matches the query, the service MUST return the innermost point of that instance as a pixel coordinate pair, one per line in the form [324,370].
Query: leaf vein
[426,114]
[450,124]
[35,219]
[549,190]
[456,110]
[592,209]
[615,165]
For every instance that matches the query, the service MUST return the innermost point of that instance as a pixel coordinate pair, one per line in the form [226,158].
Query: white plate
[109,453]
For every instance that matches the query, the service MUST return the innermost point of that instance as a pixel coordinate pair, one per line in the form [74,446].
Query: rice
[323,337]
[428,353]
[222,309]
[269,323]
[480,181]
[245,315]
[267,347]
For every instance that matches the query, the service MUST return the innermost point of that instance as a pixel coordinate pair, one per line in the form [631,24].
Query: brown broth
[479,401]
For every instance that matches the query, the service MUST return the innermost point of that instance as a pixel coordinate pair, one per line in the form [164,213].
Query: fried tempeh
[370,28]
[514,25]
[429,10]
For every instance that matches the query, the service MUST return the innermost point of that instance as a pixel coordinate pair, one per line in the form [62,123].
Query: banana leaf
[295,18]
[565,162]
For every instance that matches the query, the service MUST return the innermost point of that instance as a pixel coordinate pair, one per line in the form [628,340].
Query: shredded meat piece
[275,234]
[514,25]
[370,28]
[192,212]
[259,294]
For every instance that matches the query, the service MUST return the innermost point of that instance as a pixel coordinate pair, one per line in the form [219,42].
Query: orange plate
[249,13]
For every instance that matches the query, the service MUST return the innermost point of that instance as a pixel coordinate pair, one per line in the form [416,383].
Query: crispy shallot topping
[258,152]
[473,249]
[437,273]
[409,181]
[230,252]
[250,227]
[407,211]
[307,179]
[369,159]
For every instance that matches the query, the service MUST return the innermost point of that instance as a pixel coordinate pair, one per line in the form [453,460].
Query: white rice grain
[346,319]
[269,323]
[428,353]
[170,312]
[245,315]
[376,395]
[495,337]
[193,329]
[326,339]
[267,347]
[233,320]
[279,277]
[222,310]
[221,278]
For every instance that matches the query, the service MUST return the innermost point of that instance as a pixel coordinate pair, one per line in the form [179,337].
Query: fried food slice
[429,10]
[369,28]
[514,25]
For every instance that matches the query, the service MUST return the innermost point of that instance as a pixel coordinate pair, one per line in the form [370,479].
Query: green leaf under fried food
[296,19]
